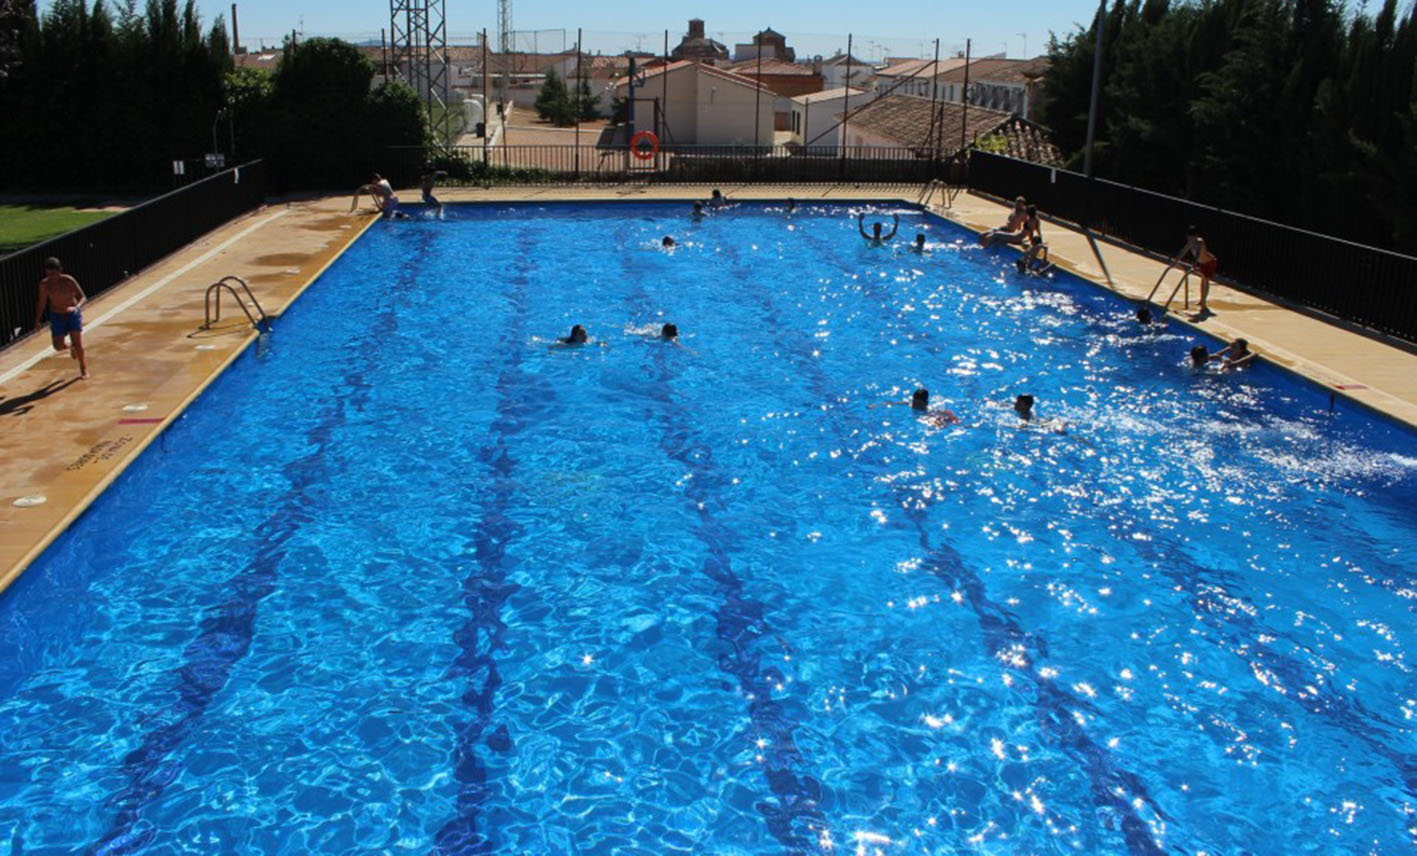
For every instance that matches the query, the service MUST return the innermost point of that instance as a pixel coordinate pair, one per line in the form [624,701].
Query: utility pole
[964,103]
[1092,107]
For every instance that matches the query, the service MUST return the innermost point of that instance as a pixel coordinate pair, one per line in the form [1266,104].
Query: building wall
[835,76]
[817,118]
[725,114]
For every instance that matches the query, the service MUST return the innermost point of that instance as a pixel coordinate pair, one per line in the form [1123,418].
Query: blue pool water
[407,580]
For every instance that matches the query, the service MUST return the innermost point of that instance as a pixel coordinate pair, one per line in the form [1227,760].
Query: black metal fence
[558,164]
[1366,285]
[103,254]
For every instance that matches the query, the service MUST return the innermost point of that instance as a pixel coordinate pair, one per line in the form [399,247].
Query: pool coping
[87,446]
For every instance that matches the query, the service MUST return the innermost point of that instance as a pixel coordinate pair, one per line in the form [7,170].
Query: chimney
[696,28]
[235,33]
[817,64]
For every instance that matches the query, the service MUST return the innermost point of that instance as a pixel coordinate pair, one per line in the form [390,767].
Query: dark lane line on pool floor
[227,630]
[1051,702]
[1237,632]
[740,621]
[485,588]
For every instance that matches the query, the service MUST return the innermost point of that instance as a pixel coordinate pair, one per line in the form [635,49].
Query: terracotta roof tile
[925,126]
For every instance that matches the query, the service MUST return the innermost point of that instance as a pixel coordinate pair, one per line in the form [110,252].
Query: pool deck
[63,440]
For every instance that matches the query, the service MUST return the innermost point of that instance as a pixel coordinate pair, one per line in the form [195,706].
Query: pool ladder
[224,284]
[1185,282]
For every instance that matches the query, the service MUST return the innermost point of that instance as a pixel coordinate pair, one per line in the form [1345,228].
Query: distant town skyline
[1021,29]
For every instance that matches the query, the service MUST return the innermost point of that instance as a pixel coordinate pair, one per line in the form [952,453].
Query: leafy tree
[554,102]
[586,105]
[333,130]
[1297,110]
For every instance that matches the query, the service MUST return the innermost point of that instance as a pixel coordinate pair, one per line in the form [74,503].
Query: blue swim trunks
[63,323]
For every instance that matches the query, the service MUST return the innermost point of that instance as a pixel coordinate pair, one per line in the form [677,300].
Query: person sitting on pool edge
[1036,251]
[1012,231]
[876,239]
[1235,355]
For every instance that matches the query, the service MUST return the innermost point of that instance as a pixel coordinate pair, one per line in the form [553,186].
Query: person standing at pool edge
[1205,261]
[61,294]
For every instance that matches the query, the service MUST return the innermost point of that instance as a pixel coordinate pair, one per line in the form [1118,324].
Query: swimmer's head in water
[1199,355]
[667,242]
[920,400]
[1144,315]
[876,230]
[1023,405]
[920,239]
[669,331]
[1242,344]
[717,195]
[578,335]
[698,207]
[791,203]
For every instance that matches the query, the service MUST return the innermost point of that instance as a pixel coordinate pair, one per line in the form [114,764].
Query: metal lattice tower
[505,37]
[418,50]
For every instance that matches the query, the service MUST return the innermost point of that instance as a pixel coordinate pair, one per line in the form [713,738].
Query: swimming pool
[407,580]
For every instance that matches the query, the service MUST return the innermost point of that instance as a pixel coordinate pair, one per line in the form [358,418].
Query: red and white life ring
[644,154]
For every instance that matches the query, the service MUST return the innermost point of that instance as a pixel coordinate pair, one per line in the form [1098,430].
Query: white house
[815,123]
[841,70]
[691,103]
[914,77]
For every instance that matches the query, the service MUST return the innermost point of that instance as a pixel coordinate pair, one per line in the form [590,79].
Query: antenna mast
[418,37]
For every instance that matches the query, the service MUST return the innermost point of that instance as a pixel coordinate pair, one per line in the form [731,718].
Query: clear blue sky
[811,27]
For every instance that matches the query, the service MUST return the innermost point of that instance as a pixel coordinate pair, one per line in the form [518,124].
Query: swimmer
[698,212]
[1143,316]
[427,183]
[1199,357]
[791,205]
[919,401]
[669,333]
[876,239]
[717,199]
[1235,355]
[1023,406]
[667,242]
[919,245]
[575,339]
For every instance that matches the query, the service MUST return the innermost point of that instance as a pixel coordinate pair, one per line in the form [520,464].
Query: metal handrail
[222,284]
[1186,281]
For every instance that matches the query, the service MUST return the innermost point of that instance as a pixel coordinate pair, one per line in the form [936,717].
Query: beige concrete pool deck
[64,440]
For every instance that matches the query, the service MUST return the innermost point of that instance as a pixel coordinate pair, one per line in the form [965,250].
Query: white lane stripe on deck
[89,325]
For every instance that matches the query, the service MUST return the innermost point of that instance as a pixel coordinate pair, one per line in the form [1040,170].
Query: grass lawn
[23,225]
